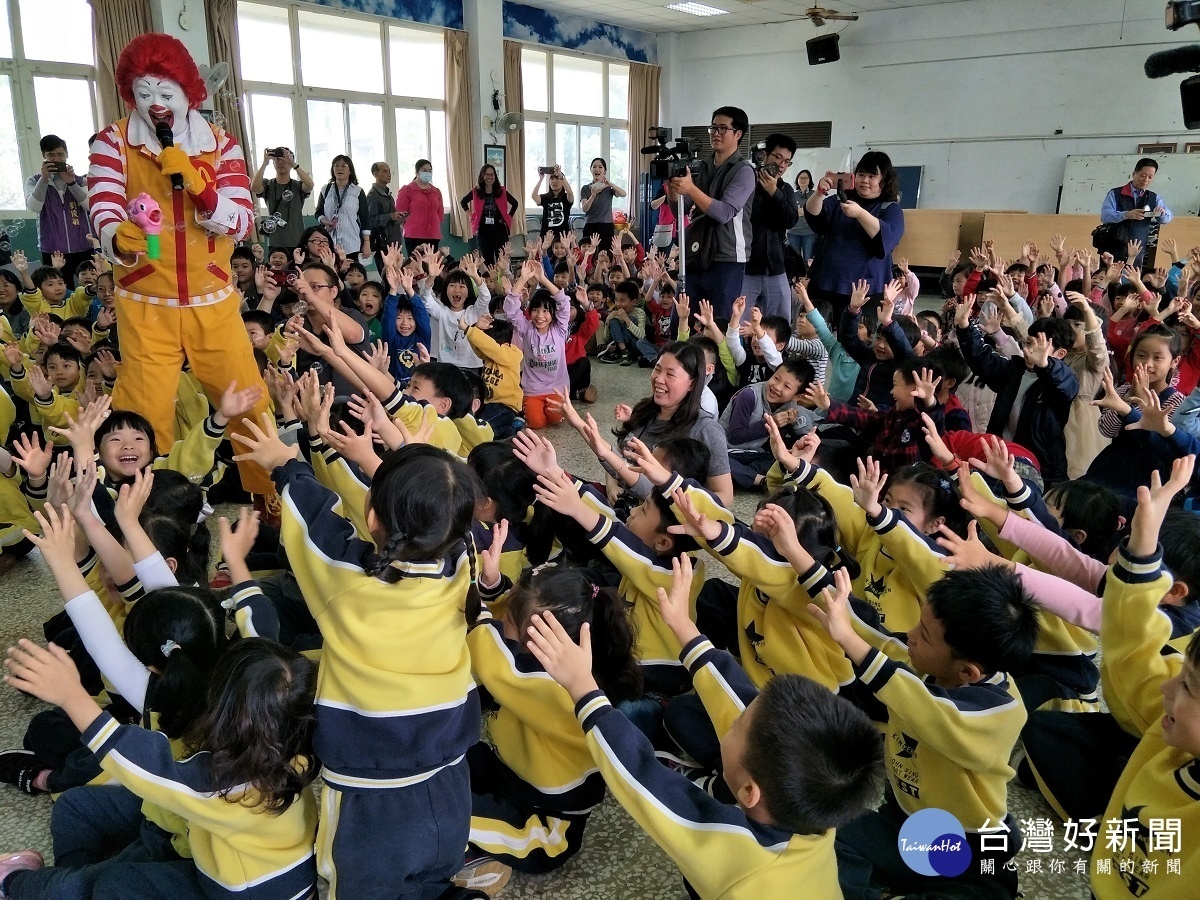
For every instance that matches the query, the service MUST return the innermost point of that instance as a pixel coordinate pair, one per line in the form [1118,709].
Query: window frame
[21,73]
[299,94]
[605,122]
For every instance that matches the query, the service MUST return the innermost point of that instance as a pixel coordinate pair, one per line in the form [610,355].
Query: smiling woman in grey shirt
[597,200]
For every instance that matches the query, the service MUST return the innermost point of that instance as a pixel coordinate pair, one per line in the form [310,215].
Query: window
[576,109]
[47,84]
[327,84]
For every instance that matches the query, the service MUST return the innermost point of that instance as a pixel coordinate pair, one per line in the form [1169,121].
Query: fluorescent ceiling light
[697,9]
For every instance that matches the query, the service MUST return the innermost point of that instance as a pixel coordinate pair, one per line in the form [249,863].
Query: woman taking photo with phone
[861,223]
[420,205]
[342,208]
[555,203]
[491,207]
[597,200]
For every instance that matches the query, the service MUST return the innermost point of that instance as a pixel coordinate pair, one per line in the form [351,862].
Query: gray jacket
[731,187]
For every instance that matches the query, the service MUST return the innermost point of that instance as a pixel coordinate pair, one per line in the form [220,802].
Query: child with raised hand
[543,337]
[953,719]
[878,355]
[1126,463]
[535,784]
[917,502]
[641,549]
[463,293]
[894,433]
[799,763]
[1159,692]
[396,707]
[503,363]
[404,324]
[243,791]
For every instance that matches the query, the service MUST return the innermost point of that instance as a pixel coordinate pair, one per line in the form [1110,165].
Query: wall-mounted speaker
[823,49]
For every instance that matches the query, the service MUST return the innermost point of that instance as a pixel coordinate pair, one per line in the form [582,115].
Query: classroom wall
[973,90]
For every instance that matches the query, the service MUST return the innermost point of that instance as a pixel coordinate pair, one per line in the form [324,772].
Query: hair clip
[168,648]
[595,591]
[537,570]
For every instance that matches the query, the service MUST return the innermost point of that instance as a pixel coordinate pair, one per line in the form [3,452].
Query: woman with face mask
[420,204]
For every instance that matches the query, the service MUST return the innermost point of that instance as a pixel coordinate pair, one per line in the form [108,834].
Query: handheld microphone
[163,132]
[1173,61]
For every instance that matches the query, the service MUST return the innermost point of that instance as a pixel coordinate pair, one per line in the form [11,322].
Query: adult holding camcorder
[555,203]
[859,222]
[719,190]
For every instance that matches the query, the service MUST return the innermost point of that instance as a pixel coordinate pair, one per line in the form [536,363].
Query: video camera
[670,161]
[758,159]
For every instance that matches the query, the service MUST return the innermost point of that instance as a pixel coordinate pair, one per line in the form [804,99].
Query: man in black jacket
[765,283]
[1034,391]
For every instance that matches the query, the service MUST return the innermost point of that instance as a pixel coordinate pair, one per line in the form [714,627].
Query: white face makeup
[160,100]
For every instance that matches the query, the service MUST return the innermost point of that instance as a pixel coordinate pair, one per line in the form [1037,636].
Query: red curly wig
[164,56]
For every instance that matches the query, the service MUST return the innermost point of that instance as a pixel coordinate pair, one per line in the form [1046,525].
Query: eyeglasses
[318,242]
[323,287]
[783,162]
[720,129]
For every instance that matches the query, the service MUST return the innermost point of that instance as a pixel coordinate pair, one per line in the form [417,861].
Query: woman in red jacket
[491,207]
[420,204]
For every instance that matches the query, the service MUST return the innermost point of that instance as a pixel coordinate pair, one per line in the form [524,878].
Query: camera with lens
[277,152]
[272,223]
[758,159]
[670,160]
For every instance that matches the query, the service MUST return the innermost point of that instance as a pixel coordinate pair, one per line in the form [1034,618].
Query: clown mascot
[178,302]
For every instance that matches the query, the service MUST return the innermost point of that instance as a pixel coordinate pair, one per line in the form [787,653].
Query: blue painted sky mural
[528,23]
[443,13]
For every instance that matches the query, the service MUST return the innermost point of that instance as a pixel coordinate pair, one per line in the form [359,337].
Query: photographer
[860,224]
[555,203]
[60,199]
[765,284]
[721,196]
[284,196]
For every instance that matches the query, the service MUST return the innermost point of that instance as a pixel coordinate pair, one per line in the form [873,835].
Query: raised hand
[559,494]
[642,460]
[622,412]
[358,448]
[925,386]
[674,606]
[817,395]
[30,455]
[568,663]
[537,453]
[235,404]
[998,462]
[736,310]
[835,617]
[1153,503]
[962,311]
[1109,398]
[262,445]
[968,552]
[858,296]
[774,523]
[1037,351]
[132,497]
[937,445]
[695,523]
[867,486]
[489,559]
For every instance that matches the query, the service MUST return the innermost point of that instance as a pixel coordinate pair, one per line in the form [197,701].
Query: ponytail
[180,632]
[614,644]
[474,604]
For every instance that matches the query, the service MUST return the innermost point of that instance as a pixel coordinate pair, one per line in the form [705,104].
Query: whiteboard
[1088,178]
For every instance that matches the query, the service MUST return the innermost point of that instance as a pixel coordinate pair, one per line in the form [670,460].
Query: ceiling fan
[819,15]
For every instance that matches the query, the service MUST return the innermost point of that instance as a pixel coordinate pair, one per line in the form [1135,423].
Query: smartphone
[546,170]
[845,181]
[58,167]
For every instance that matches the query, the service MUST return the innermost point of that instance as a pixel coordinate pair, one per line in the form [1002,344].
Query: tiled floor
[617,860]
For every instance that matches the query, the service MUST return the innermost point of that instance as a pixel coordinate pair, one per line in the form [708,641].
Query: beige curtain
[643,115]
[460,131]
[223,47]
[117,22]
[514,155]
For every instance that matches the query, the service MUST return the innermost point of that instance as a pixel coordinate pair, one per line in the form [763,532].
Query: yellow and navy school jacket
[411,413]
[898,562]
[15,513]
[947,747]
[472,432]
[1160,784]
[395,698]
[534,731]
[51,412]
[345,479]
[74,305]
[501,368]
[191,405]
[777,635]
[643,572]
[241,851]
[722,853]
[1065,652]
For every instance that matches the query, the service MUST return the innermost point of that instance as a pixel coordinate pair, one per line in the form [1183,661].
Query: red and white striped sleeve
[106,187]
[234,210]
